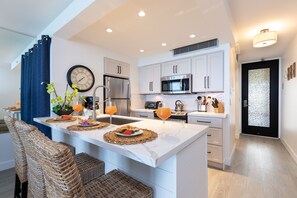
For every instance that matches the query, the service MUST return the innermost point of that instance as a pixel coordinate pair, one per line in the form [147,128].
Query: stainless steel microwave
[178,84]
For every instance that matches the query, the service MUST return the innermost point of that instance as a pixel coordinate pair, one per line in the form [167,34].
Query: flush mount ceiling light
[141,50]
[264,38]
[164,44]
[141,13]
[192,36]
[108,30]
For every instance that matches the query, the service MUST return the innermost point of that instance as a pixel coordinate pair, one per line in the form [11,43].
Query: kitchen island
[174,164]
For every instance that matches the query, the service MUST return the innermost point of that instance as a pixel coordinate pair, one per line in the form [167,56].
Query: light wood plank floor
[261,168]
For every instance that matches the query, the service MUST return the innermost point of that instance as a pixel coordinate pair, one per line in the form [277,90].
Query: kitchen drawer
[149,115]
[215,136]
[211,122]
[215,153]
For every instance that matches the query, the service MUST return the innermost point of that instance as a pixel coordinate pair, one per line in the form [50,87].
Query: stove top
[179,113]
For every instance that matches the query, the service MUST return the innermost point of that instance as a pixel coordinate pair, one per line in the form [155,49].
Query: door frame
[279,95]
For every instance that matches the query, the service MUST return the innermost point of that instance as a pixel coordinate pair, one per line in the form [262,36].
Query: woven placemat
[51,120]
[78,127]
[146,136]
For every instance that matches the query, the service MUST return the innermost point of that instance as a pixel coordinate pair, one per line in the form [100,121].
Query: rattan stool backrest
[20,156]
[61,175]
[36,184]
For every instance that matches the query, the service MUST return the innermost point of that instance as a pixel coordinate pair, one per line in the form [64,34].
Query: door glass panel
[259,97]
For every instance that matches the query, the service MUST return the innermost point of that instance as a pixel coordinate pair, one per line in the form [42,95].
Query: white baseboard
[7,165]
[289,149]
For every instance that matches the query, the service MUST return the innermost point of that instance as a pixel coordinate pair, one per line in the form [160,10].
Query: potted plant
[62,106]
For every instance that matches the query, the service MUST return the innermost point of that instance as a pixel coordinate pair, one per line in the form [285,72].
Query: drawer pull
[143,116]
[204,121]
[208,135]
[208,152]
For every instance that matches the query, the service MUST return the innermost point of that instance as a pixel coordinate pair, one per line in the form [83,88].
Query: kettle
[179,106]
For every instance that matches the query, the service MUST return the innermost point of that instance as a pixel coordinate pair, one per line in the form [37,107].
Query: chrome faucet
[94,98]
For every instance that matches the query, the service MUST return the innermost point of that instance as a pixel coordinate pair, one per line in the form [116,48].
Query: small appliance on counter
[179,106]
[151,104]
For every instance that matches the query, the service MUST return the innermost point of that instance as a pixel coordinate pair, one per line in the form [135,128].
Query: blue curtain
[35,68]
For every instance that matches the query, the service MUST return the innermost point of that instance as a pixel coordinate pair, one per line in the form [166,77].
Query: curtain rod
[17,32]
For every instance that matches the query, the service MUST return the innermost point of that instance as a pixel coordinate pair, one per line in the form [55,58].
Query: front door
[260,98]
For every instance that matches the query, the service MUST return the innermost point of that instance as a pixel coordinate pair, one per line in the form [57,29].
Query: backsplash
[189,100]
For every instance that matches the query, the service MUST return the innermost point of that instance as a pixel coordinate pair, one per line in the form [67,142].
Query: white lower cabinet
[214,153]
[215,134]
[140,114]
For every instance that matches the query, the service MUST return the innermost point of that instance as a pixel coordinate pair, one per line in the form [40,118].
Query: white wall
[65,54]
[9,87]
[289,95]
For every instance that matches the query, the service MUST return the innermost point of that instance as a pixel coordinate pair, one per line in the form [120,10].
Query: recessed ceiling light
[141,50]
[141,13]
[164,44]
[192,36]
[108,30]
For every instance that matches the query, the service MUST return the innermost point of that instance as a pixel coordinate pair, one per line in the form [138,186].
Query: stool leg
[17,185]
[24,189]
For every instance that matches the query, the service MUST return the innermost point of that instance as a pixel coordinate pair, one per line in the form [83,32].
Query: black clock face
[82,76]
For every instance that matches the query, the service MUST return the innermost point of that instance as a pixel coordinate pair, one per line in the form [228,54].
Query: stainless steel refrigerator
[119,93]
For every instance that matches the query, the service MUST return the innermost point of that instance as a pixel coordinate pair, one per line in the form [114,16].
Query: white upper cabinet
[149,78]
[176,67]
[116,68]
[208,72]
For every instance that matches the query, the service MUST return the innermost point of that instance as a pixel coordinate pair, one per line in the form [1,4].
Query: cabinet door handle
[209,152]
[208,135]
[152,86]
[143,116]
[120,69]
[204,121]
[204,82]
[173,69]
[176,69]
[208,82]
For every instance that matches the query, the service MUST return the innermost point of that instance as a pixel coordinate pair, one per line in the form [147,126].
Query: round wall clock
[82,76]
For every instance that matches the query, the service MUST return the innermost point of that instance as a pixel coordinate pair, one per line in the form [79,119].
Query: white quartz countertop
[172,138]
[208,114]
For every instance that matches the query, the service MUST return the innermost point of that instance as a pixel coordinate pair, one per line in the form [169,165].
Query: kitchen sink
[117,121]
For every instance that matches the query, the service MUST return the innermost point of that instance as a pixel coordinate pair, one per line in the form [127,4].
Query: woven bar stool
[62,176]
[89,167]
[21,177]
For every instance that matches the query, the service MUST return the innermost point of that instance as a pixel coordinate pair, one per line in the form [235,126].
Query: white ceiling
[170,21]
[21,21]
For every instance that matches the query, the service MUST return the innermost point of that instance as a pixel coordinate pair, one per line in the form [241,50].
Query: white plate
[130,135]
[90,125]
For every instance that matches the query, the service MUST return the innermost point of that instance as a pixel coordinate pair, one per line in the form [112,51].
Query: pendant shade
[264,38]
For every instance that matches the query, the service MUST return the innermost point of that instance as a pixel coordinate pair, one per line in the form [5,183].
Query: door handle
[120,69]
[208,82]
[208,135]
[173,69]
[176,69]
[152,86]
[208,122]
[245,103]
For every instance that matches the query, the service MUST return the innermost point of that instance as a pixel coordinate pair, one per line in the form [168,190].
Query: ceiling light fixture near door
[264,38]
[164,44]
[141,13]
[192,36]
[141,50]
[108,30]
